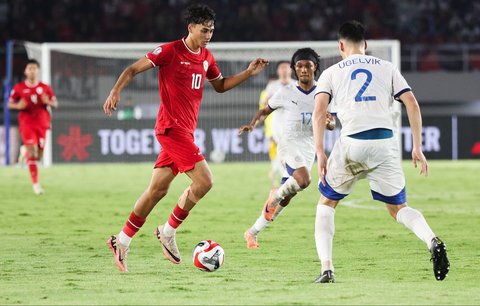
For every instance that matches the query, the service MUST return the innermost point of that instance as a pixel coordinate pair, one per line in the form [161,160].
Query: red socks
[177,217]
[133,224]
[32,166]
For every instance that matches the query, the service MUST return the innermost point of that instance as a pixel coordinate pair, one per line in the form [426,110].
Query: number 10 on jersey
[196,80]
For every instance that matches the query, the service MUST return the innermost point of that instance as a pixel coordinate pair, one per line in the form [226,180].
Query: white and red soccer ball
[208,256]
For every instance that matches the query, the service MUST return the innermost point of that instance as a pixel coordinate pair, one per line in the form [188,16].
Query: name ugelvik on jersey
[353,61]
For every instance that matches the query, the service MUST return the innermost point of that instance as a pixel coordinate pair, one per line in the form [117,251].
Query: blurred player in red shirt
[32,98]
[183,66]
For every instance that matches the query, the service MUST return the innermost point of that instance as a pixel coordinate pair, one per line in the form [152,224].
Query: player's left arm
[415,119]
[322,100]
[225,84]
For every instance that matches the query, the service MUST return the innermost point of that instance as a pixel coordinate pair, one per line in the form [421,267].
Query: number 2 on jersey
[196,80]
[359,97]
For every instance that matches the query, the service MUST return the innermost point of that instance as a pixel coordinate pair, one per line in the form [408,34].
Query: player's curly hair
[199,14]
[308,54]
[353,31]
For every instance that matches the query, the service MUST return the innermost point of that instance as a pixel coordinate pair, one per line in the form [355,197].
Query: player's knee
[393,209]
[201,188]
[157,193]
[304,182]
[208,184]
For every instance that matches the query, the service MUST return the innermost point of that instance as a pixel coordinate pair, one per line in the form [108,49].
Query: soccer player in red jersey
[32,98]
[183,65]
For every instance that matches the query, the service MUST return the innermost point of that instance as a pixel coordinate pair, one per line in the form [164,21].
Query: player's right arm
[415,119]
[15,101]
[127,75]
[319,119]
[20,105]
[256,120]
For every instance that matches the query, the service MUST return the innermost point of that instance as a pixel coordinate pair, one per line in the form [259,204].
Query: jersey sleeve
[332,108]
[49,92]
[399,84]
[213,73]
[161,55]
[277,100]
[324,84]
[15,93]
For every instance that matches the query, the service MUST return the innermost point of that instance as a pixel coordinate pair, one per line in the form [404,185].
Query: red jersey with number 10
[35,113]
[181,75]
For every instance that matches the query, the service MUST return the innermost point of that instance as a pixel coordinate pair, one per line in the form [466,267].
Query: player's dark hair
[352,31]
[33,61]
[199,14]
[305,54]
[281,62]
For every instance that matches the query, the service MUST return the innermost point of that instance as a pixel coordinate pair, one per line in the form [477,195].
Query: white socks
[414,220]
[290,187]
[259,225]
[168,230]
[262,223]
[324,230]
[124,239]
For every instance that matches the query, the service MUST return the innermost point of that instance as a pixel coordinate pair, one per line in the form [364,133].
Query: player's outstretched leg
[299,180]
[120,253]
[251,234]
[120,244]
[202,182]
[415,221]
[277,200]
[441,265]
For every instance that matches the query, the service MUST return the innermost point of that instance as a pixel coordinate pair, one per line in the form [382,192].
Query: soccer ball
[208,256]
[217,156]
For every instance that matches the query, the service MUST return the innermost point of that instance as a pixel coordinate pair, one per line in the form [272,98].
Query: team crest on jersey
[157,51]
[205,65]
[39,90]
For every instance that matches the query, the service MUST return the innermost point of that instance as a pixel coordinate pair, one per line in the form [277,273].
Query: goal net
[82,75]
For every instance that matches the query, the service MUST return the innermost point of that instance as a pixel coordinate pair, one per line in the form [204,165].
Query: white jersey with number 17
[362,89]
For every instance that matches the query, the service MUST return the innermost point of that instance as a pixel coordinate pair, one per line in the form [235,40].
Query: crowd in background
[429,30]
[411,21]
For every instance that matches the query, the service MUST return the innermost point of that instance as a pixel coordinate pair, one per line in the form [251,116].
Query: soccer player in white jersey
[274,121]
[295,146]
[363,89]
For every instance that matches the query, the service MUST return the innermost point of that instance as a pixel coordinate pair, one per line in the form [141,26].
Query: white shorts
[295,155]
[377,160]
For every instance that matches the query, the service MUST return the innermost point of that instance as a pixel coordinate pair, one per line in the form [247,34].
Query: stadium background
[53,246]
[440,57]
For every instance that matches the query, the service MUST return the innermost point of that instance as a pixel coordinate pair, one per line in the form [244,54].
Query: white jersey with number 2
[363,89]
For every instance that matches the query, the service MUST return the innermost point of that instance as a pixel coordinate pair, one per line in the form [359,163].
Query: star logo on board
[75,144]
[476,148]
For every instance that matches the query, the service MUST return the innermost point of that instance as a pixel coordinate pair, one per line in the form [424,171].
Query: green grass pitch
[52,247]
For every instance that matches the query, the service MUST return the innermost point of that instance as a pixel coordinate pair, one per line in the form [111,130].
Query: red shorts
[179,152]
[33,135]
